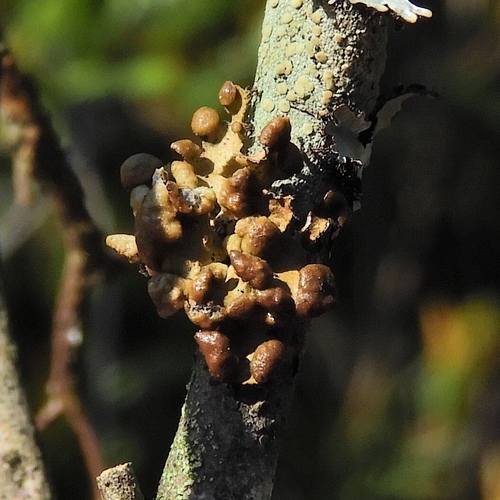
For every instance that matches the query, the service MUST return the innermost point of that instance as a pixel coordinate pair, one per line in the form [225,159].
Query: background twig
[39,153]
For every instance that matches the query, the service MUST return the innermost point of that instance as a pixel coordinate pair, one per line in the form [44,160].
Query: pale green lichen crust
[309,64]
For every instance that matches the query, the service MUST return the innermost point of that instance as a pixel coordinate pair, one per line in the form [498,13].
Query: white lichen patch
[317,16]
[307,47]
[321,56]
[284,106]
[282,88]
[268,105]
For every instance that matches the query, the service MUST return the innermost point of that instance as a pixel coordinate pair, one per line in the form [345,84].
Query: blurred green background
[399,391]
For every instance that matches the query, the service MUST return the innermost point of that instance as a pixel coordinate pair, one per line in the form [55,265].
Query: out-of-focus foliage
[399,393]
[171,52]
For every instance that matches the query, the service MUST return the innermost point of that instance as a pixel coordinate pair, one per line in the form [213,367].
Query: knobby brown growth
[215,242]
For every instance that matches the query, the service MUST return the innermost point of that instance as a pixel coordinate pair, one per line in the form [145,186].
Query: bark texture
[22,474]
[119,483]
[226,446]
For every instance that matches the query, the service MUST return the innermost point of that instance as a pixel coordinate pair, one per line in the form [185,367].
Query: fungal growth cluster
[232,233]
[216,242]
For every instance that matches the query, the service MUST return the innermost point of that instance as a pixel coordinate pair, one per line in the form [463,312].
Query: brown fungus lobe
[168,293]
[242,308]
[187,149]
[138,169]
[228,93]
[316,291]
[258,235]
[156,225]
[278,304]
[251,268]
[216,349]
[241,193]
[276,133]
[267,361]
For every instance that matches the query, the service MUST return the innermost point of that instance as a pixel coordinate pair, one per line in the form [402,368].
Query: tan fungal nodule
[205,123]
[228,93]
[321,56]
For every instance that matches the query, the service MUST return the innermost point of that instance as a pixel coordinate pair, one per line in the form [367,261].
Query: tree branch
[235,234]
[312,58]
[39,156]
[119,483]
[22,472]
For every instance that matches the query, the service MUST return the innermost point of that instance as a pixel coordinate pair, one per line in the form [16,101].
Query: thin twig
[39,153]
[119,483]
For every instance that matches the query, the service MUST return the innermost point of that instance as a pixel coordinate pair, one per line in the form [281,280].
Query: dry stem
[38,153]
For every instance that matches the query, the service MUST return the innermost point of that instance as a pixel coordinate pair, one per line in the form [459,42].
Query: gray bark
[22,474]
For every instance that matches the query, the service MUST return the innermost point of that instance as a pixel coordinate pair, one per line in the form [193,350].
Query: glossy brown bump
[138,169]
[276,133]
[256,271]
[316,290]
[215,348]
[240,193]
[258,235]
[267,360]
[205,123]
[278,305]
[200,286]
[335,206]
[242,308]
[187,149]
[228,93]
[275,299]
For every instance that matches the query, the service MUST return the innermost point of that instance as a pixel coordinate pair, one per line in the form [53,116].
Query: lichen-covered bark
[22,473]
[119,483]
[313,58]
[226,446]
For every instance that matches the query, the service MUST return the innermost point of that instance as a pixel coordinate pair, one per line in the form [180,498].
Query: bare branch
[119,483]
[22,472]
[39,153]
